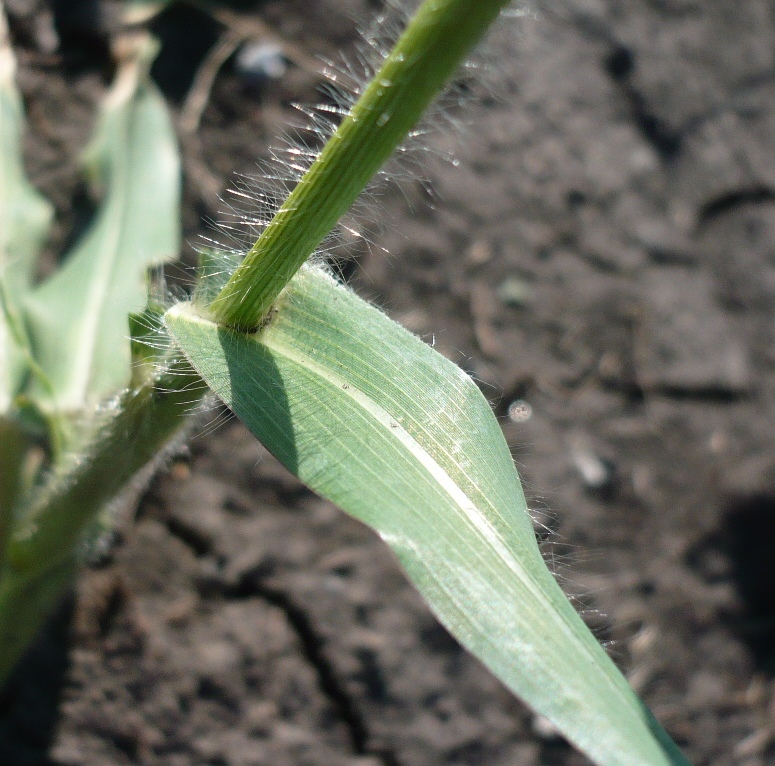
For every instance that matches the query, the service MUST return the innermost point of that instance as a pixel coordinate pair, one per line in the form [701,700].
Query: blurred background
[600,256]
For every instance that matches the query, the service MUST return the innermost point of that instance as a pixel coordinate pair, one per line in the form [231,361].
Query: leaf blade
[318,386]
[78,317]
[25,217]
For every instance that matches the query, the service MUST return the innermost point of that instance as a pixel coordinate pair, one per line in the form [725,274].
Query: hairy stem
[43,548]
[439,36]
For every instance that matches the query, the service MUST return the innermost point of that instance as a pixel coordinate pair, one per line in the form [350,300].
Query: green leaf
[25,217]
[372,418]
[78,317]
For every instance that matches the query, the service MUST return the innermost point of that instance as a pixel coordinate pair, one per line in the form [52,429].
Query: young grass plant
[77,423]
[361,410]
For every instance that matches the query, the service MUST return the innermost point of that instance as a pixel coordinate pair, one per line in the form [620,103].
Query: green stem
[41,552]
[438,37]
[13,452]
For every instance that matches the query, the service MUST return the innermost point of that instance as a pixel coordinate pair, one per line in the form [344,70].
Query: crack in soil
[250,585]
[619,64]
[731,200]
[312,647]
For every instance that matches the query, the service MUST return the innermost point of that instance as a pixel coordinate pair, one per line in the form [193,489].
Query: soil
[600,257]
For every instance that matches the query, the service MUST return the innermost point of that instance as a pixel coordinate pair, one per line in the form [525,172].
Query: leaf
[78,317]
[373,419]
[25,217]
[60,517]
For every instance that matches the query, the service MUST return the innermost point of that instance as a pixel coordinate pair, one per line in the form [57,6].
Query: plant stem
[42,551]
[13,451]
[437,38]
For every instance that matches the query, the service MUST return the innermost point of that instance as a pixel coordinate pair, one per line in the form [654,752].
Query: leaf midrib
[399,433]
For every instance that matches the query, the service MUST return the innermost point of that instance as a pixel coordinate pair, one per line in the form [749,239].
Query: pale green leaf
[25,217]
[375,420]
[78,317]
[24,221]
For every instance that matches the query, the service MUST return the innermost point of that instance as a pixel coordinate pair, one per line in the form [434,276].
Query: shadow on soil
[29,703]
[749,533]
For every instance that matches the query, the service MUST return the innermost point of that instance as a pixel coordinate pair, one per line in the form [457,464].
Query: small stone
[258,62]
[513,292]
[597,473]
[594,472]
